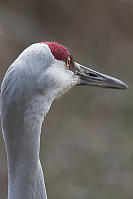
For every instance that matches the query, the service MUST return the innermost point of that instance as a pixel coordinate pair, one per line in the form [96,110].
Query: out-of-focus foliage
[87,144]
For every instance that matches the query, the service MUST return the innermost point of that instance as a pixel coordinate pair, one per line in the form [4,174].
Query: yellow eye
[68,61]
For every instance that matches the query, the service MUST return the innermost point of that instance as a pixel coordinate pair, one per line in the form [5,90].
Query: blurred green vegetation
[87,137]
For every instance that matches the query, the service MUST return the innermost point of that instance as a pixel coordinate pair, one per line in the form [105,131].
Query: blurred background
[87,145]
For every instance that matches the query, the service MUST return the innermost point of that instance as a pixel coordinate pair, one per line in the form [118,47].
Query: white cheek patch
[62,78]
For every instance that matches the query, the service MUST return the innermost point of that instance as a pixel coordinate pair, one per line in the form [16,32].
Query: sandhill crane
[41,73]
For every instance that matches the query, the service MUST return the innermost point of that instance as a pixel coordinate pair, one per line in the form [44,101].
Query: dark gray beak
[90,77]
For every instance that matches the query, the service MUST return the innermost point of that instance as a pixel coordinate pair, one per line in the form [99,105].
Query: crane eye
[68,61]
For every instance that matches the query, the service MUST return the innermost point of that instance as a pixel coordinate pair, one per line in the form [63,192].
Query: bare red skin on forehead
[59,52]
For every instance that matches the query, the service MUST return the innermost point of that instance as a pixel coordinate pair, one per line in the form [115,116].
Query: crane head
[66,72]
[50,69]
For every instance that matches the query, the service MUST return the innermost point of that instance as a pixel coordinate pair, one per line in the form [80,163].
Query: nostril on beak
[91,74]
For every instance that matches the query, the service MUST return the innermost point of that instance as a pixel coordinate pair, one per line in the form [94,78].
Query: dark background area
[87,137]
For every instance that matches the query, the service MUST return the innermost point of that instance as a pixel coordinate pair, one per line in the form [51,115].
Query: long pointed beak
[93,78]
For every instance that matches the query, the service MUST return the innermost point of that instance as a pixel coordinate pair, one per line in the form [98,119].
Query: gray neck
[21,131]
